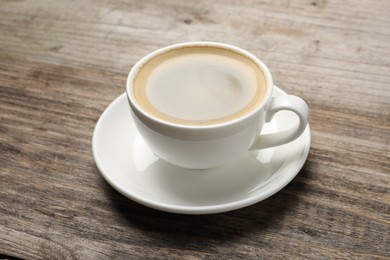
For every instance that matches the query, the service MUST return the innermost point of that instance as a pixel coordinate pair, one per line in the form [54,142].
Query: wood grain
[63,62]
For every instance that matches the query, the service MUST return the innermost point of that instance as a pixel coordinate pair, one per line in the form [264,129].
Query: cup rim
[135,69]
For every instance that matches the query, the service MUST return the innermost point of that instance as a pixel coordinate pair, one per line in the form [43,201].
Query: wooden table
[63,62]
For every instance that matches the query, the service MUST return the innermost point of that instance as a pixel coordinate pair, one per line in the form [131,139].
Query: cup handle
[285,102]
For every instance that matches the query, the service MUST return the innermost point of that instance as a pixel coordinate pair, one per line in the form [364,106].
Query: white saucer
[131,168]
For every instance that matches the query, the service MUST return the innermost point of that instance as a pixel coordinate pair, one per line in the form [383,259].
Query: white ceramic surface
[210,146]
[131,168]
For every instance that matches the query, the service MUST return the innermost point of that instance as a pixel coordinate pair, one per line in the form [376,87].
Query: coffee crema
[199,85]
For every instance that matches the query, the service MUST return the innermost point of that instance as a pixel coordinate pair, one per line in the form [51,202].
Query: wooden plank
[62,63]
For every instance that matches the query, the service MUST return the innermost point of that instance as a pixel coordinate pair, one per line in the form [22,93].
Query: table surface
[63,62]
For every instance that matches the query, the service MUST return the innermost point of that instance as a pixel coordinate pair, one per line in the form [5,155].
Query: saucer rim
[279,183]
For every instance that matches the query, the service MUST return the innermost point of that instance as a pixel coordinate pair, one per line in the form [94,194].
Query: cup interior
[138,66]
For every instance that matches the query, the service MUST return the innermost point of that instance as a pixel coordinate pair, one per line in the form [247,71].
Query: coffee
[199,85]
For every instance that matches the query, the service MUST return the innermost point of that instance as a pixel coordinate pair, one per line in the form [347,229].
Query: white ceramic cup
[203,147]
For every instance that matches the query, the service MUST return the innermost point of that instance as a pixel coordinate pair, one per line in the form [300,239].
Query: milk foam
[201,87]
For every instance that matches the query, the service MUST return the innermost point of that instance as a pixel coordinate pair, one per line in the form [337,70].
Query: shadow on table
[190,231]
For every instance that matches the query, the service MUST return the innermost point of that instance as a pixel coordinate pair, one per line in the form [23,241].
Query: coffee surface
[199,85]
